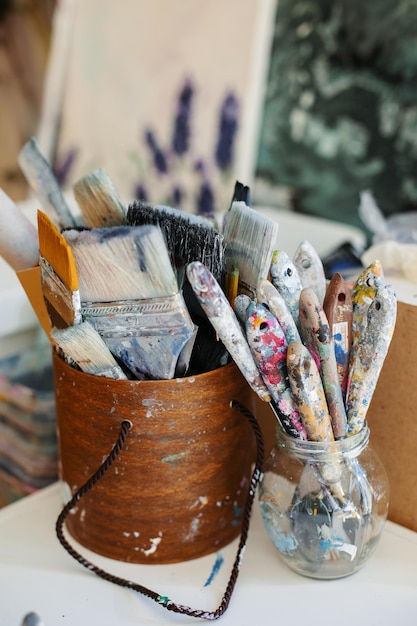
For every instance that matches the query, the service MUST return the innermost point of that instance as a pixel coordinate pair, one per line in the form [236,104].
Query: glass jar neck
[315,450]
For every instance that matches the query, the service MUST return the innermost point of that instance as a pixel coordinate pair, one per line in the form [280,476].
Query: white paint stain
[201,502]
[195,523]
[151,403]
[154,541]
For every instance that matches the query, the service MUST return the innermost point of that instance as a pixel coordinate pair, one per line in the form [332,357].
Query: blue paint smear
[237,510]
[335,542]
[341,356]
[216,568]
[175,458]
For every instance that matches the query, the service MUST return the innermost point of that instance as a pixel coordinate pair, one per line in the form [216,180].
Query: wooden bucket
[178,488]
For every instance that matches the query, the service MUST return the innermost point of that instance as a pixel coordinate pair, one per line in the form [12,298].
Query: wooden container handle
[164,601]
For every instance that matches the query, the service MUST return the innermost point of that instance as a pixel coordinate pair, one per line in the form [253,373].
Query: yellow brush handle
[54,248]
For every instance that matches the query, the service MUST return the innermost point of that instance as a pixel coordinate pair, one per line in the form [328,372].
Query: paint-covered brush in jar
[363,293]
[368,359]
[317,337]
[310,400]
[337,306]
[285,278]
[268,345]
[308,393]
[310,269]
[269,296]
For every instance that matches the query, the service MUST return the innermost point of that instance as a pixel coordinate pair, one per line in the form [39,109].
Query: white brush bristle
[122,263]
[83,345]
[250,239]
[99,200]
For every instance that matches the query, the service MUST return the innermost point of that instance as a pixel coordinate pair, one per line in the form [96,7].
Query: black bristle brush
[188,237]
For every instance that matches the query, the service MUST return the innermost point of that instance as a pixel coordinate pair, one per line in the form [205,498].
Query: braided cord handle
[164,601]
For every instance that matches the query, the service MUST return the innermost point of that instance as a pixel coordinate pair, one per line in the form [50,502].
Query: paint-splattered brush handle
[308,393]
[220,314]
[268,295]
[285,278]
[268,345]
[310,269]
[363,292]
[369,357]
[337,307]
[316,335]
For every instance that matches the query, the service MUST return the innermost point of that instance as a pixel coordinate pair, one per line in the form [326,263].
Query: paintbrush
[130,294]
[285,278]
[81,344]
[308,393]
[59,276]
[220,314]
[337,306]
[43,182]
[310,400]
[99,200]
[250,241]
[310,269]
[241,193]
[367,361]
[18,236]
[268,345]
[270,297]
[317,337]
[188,237]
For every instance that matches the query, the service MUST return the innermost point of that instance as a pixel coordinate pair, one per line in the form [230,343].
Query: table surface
[37,574]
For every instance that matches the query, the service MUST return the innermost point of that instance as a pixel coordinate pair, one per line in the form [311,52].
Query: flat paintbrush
[81,344]
[59,277]
[130,294]
[43,182]
[250,239]
[99,200]
[188,237]
[241,193]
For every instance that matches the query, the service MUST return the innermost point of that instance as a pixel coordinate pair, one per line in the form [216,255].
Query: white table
[36,574]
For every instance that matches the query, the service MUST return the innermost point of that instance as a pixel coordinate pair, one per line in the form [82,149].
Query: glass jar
[324,504]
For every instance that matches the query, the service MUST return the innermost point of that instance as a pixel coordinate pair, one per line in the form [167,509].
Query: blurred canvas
[165,96]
